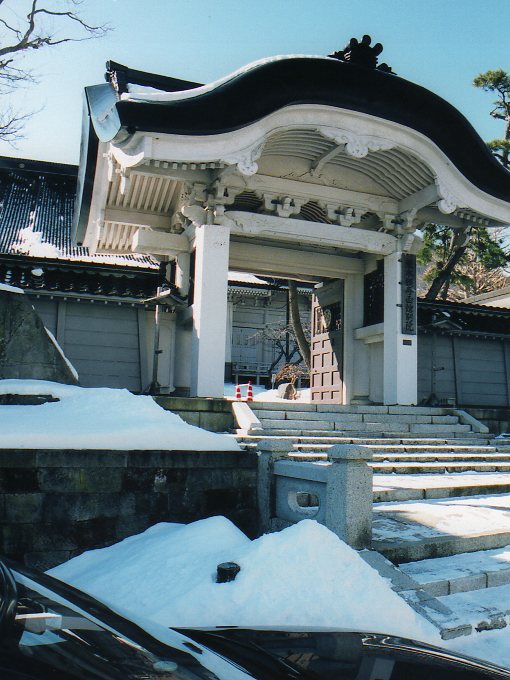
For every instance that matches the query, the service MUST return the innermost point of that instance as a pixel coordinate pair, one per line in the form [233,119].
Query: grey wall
[104,342]
[473,371]
[56,504]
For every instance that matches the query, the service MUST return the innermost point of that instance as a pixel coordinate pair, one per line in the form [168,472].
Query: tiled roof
[36,213]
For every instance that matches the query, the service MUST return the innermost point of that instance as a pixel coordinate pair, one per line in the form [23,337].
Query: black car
[49,629]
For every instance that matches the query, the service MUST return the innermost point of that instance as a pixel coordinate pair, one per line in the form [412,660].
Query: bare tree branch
[34,33]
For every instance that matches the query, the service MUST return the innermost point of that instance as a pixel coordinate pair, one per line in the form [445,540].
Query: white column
[209,310]
[182,273]
[400,351]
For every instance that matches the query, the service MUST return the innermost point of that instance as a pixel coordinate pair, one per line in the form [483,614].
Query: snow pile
[10,289]
[302,576]
[98,418]
[260,393]
[31,242]
[272,395]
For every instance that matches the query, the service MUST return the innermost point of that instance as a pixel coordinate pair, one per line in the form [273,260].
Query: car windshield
[53,637]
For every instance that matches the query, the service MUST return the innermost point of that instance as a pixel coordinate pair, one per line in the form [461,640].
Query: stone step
[341,419]
[461,573]
[484,609]
[416,530]
[434,430]
[329,438]
[423,456]
[392,487]
[258,407]
[417,468]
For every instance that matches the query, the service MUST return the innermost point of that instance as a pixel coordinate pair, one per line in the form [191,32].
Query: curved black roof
[265,88]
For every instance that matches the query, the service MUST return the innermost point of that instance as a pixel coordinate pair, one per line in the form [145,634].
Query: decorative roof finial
[362,54]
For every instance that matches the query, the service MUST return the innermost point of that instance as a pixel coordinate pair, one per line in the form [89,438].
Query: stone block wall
[210,414]
[56,504]
[496,419]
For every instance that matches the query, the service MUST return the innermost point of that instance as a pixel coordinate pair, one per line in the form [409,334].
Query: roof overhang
[406,150]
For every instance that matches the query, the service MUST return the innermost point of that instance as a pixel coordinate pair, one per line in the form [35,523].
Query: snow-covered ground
[98,418]
[260,393]
[302,576]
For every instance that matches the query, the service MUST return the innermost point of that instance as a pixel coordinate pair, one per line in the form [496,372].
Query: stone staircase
[404,440]
[441,497]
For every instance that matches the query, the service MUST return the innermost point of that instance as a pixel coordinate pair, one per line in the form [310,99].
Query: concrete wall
[57,504]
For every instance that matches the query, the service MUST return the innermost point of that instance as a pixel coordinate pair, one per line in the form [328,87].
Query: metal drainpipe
[157,351]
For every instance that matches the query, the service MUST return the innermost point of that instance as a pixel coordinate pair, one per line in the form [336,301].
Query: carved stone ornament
[246,159]
[448,203]
[357,146]
[362,53]
[195,214]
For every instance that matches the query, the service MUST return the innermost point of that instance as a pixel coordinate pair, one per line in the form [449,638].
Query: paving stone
[501,577]
[437,588]
[464,584]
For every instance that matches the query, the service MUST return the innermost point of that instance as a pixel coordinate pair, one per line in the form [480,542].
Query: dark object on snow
[227,571]
[27,352]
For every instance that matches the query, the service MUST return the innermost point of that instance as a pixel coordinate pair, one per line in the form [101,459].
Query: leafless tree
[37,27]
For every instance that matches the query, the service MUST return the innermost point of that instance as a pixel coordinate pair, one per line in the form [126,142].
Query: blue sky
[440,44]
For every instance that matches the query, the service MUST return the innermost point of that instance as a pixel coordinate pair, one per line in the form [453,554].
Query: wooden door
[327,343]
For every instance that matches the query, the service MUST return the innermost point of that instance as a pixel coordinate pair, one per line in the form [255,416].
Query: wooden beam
[314,192]
[420,199]
[159,243]
[316,233]
[287,263]
[136,218]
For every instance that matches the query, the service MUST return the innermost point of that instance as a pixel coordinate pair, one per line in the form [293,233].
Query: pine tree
[498,81]
[456,258]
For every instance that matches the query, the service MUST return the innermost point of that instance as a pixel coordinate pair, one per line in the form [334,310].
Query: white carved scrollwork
[246,159]
[357,146]
[195,214]
[448,203]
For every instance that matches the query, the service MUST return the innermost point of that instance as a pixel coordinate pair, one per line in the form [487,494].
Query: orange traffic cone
[238,392]
[249,392]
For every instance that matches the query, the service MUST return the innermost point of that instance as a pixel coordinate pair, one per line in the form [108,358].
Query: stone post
[268,451]
[349,495]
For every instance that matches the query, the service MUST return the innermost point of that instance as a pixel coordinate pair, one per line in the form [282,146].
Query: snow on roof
[242,277]
[98,418]
[302,576]
[151,94]
[36,213]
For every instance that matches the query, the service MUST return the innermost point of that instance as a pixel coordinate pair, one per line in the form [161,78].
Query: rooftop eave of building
[256,93]
[228,123]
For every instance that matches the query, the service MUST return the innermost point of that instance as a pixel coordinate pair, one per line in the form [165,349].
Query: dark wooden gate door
[327,343]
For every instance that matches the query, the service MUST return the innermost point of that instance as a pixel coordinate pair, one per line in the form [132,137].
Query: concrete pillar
[209,310]
[400,351]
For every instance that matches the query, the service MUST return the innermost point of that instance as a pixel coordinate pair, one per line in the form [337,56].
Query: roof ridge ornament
[362,54]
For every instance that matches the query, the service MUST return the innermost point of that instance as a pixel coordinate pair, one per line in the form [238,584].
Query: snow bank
[98,418]
[302,576]
[260,393]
